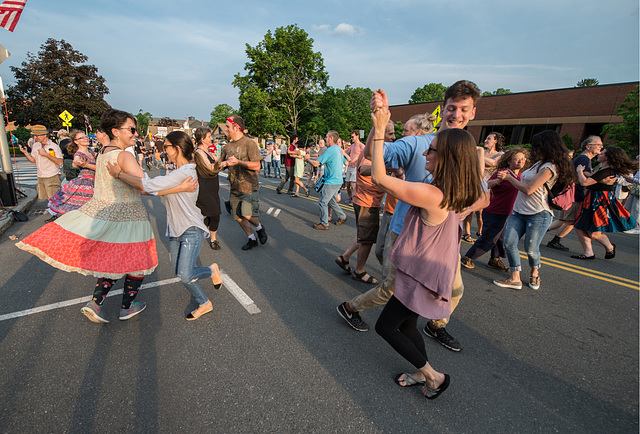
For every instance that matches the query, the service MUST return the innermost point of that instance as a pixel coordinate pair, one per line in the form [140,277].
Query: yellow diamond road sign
[66,116]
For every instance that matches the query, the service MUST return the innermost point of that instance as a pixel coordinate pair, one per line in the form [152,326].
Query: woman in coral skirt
[110,236]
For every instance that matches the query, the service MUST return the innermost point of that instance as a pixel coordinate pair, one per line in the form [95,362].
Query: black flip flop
[433,394]
[408,379]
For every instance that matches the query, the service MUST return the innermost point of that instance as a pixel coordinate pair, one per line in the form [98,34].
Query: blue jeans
[328,198]
[533,227]
[184,251]
[276,167]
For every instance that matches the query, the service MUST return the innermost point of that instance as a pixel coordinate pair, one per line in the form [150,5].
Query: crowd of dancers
[432,184]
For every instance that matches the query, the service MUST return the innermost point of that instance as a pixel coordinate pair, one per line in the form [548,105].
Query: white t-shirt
[537,201]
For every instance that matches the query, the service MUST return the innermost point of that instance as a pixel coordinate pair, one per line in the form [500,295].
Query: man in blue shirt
[333,160]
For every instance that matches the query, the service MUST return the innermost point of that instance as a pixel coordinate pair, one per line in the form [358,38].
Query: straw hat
[39,130]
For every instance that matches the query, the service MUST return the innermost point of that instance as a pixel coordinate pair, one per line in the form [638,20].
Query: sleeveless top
[426,258]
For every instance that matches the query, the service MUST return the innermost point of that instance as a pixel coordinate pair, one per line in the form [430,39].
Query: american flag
[10,11]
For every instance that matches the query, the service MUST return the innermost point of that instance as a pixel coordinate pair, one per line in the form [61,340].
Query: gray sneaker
[92,311]
[135,308]
[352,318]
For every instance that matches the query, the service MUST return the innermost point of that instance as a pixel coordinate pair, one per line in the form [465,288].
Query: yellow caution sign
[66,124]
[436,113]
[66,116]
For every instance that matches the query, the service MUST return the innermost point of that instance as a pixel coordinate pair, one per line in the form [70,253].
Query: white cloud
[342,29]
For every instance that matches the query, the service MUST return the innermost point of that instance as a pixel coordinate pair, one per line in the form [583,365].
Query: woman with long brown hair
[601,211]
[427,250]
[531,214]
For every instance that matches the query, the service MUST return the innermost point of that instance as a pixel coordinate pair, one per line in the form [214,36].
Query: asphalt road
[564,358]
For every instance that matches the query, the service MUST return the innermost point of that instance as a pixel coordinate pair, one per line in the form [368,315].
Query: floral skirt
[602,212]
[72,195]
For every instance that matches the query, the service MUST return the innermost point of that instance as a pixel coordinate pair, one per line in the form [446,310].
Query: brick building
[577,111]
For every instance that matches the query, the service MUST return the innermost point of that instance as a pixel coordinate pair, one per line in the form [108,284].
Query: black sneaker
[52,218]
[262,235]
[556,245]
[227,206]
[352,318]
[441,335]
[250,244]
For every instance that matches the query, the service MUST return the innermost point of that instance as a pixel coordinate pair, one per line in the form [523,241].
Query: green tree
[428,93]
[586,82]
[283,75]
[342,110]
[143,122]
[398,128]
[220,113]
[498,91]
[55,80]
[23,134]
[626,133]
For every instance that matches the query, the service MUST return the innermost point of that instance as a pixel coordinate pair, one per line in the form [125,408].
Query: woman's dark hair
[72,146]
[499,140]
[113,118]
[619,161]
[201,133]
[548,147]
[182,141]
[505,159]
[457,171]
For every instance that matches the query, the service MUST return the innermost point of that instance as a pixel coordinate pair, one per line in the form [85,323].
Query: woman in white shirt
[531,214]
[185,226]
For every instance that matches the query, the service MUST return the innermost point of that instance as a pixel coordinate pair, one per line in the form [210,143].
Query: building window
[518,134]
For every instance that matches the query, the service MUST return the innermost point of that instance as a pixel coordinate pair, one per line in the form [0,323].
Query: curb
[24,204]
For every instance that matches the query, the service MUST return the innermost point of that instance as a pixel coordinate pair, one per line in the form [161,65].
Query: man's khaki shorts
[47,187]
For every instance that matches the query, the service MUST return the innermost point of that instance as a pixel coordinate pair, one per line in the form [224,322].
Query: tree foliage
[586,82]
[220,113]
[55,80]
[342,110]
[428,93]
[626,133]
[143,122]
[498,91]
[283,75]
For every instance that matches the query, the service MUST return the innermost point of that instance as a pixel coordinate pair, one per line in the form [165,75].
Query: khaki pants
[381,294]
[47,187]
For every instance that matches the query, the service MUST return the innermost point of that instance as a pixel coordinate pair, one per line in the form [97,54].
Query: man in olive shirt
[242,157]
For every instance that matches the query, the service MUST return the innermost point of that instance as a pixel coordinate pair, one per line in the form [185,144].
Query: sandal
[583,257]
[360,278]
[409,380]
[611,254]
[343,264]
[434,393]
[467,238]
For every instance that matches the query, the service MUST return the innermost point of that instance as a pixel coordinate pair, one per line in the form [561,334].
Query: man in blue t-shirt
[333,160]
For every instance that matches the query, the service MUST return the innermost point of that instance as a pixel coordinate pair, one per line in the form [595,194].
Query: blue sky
[178,58]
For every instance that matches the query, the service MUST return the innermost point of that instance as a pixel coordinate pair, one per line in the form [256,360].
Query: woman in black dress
[208,166]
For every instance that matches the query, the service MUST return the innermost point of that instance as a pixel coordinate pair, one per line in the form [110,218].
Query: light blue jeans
[328,199]
[184,251]
[533,227]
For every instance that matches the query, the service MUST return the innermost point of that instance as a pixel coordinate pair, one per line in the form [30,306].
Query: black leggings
[212,222]
[399,327]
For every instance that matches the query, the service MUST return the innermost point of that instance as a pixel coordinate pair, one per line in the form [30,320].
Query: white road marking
[269,210]
[275,214]
[239,294]
[233,288]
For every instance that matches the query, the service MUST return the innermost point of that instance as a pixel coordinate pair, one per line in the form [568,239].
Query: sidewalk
[24,204]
